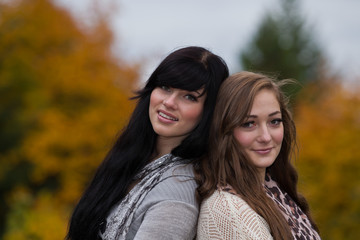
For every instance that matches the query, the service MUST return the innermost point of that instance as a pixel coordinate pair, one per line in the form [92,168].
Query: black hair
[189,68]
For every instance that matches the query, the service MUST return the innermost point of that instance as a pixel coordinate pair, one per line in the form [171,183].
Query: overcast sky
[147,30]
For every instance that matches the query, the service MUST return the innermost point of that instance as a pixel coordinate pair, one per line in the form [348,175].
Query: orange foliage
[71,97]
[328,131]
[76,103]
[40,217]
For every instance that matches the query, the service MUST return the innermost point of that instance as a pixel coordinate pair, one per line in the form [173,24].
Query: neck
[165,145]
[262,172]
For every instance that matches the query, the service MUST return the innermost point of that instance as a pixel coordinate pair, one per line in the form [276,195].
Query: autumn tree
[63,98]
[328,129]
[284,46]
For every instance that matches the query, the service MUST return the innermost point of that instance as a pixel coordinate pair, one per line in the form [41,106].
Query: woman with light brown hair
[247,182]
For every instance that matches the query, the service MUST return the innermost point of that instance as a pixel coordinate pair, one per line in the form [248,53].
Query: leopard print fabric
[300,225]
[298,221]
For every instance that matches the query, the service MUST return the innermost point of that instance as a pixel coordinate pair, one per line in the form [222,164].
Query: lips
[263,151]
[168,116]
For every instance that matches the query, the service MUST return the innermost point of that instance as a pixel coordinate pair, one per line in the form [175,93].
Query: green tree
[283,46]
[63,98]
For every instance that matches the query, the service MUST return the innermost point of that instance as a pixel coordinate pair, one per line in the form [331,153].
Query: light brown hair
[226,163]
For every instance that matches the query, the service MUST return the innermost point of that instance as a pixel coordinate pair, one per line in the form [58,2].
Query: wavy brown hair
[225,163]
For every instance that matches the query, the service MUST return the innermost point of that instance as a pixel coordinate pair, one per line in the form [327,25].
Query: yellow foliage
[328,131]
[35,218]
[74,102]
[72,96]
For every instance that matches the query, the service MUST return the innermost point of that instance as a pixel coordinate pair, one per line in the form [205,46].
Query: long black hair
[189,68]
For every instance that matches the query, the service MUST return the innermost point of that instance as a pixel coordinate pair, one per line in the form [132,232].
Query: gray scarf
[120,218]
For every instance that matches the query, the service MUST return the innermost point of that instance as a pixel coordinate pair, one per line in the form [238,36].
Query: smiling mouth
[263,151]
[168,117]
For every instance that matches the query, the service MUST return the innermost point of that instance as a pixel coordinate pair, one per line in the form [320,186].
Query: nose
[170,101]
[264,135]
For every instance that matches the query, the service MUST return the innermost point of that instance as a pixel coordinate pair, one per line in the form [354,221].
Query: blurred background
[68,69]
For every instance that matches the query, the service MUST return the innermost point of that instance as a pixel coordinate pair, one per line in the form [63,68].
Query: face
[174,112]
[261,135]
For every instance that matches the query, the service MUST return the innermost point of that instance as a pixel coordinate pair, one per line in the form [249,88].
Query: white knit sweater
[226,216]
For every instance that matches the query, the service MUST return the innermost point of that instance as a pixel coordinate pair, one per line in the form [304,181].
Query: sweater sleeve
[168,220]
[226,216]
[169,210]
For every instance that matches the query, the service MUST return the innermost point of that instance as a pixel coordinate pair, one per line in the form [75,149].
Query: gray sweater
[170,210]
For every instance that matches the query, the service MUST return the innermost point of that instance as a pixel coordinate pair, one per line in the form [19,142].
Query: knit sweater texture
[226,216]
[169,210]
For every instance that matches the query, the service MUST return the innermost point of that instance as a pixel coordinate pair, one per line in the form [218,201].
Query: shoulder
[182,170]
[178,218]
[219,196]
[226,203]
[171,204]
[226,213]
[177,183]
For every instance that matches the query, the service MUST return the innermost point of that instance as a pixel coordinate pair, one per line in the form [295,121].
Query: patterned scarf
[298,221]
[120,218]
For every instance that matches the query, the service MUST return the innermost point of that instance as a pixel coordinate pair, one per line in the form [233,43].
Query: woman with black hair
[145,187]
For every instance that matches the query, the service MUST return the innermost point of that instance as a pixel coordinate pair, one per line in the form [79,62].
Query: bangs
[184,76]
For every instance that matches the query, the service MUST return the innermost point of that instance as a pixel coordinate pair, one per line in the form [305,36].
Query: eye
[249,124]
[276,122]
[165,88]
[191,97]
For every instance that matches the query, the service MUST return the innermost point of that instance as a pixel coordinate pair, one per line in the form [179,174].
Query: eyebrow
[270,115]
[200,93]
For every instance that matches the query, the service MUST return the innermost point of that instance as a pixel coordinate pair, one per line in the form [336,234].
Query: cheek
[154,98]
[278,136]
[244,138]
[193,113]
